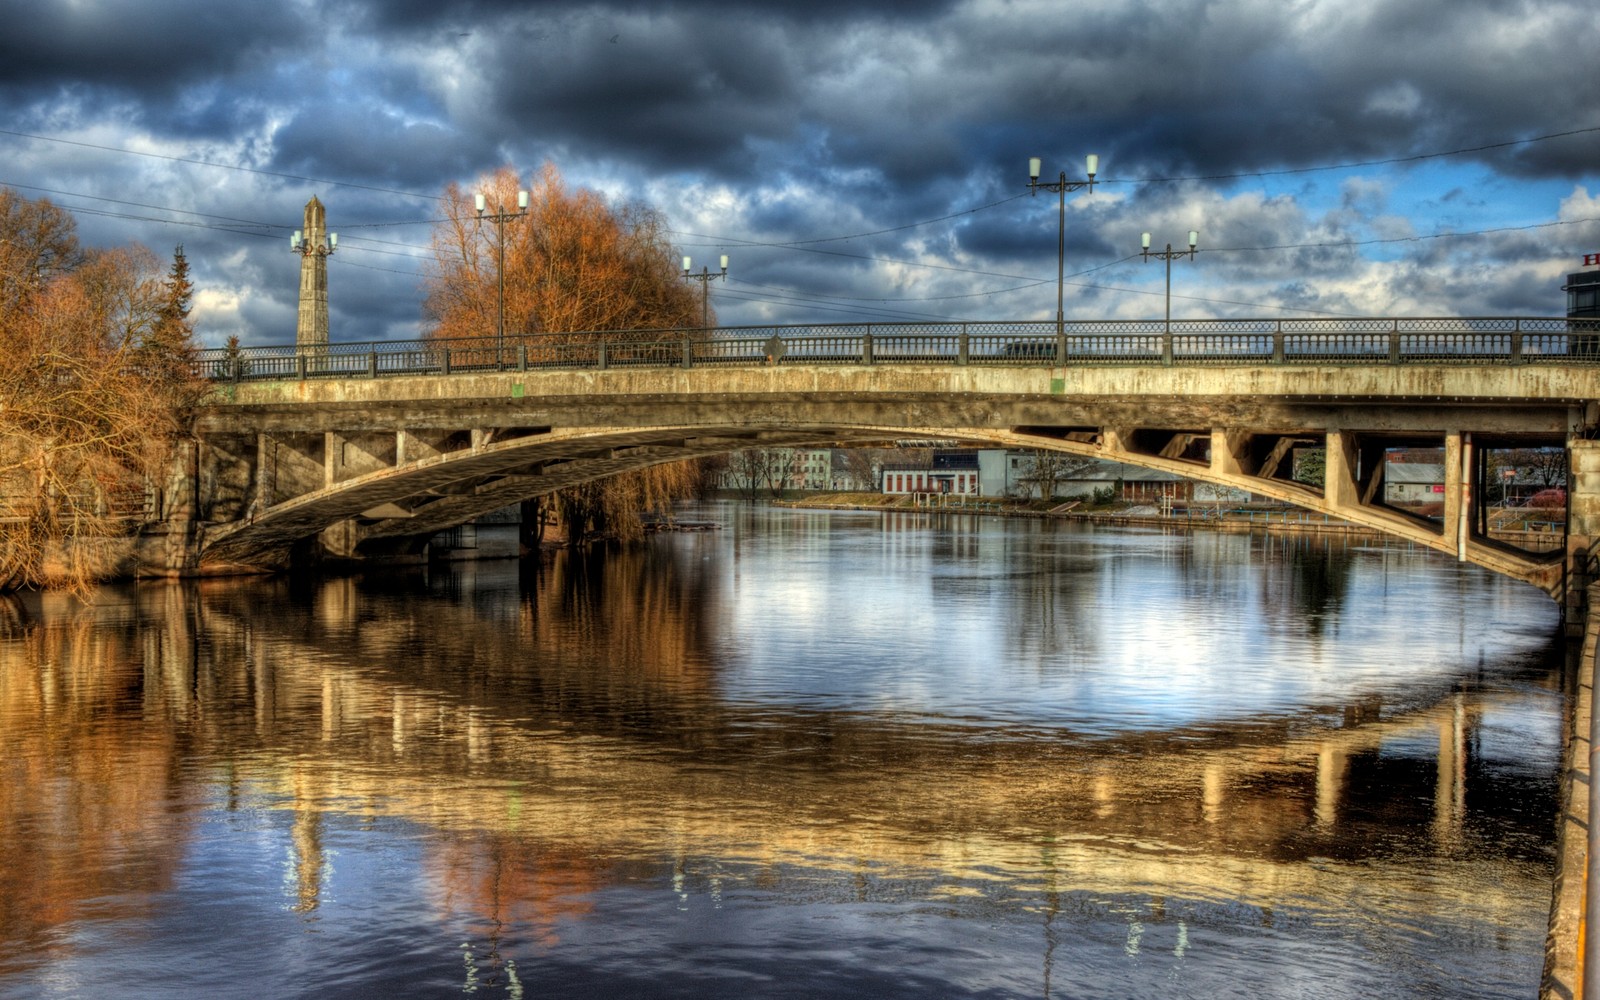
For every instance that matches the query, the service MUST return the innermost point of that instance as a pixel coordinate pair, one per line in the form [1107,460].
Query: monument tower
[313,244]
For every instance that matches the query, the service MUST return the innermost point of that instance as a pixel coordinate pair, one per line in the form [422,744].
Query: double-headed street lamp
[499,217]
[1061,186]
[705,277]
[1168,255]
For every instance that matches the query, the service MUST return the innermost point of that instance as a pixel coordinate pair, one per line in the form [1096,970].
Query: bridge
[367,450]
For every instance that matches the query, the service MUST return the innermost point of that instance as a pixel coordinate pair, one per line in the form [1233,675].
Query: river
[811,754]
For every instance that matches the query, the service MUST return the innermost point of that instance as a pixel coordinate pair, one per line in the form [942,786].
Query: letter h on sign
[1590,259]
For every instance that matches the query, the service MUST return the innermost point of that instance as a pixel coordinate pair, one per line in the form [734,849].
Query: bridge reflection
[540,780]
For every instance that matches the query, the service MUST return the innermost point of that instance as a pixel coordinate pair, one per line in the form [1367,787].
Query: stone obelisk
[311,330]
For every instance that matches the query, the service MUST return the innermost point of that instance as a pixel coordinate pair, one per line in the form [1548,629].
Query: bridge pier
[1583,529]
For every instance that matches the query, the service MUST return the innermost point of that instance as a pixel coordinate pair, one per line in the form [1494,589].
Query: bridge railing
[1408,341]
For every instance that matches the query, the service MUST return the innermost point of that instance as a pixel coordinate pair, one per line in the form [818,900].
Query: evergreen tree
[164,343]
[168,344]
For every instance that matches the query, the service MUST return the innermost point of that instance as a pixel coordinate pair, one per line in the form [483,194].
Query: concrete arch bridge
[367,450]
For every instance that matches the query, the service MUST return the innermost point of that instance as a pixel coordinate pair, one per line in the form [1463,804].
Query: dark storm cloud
[414,15]
[151,47]
[1179,88]
[672,95]
[791,121]
[346,141]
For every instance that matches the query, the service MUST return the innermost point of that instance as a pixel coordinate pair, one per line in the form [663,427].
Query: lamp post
[705,277]
[499,217]
[1168,255]
[1062,186]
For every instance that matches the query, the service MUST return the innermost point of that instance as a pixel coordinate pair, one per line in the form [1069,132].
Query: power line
[262,229]
[213,163]
[136,204]
[800,244]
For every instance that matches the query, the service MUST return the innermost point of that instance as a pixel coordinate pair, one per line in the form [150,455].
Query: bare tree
[749,470]
[784,469]
[1547,467]
[86,419]
[1046,469]
[858,465]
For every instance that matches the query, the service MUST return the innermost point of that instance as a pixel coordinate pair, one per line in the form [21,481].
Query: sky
[856,162]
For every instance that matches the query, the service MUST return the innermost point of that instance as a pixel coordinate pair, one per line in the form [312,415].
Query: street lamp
[300,245]
[1062,186]
[1168,255]
[499,217]
[705,277]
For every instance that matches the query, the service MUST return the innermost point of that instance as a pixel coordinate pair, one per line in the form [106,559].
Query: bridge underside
[393,469]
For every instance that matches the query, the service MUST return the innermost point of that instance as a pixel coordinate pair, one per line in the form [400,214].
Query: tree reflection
[563,730]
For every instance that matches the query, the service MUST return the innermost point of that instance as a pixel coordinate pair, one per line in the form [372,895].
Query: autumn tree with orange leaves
[95,389]
[573,265]
[576,269]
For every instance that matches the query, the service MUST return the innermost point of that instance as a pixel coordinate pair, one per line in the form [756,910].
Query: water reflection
[904,755]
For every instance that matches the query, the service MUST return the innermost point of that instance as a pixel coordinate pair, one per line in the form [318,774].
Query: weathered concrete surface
[1538,384]
[1563,972]
[1526,399]
[1583,523]
[401,457]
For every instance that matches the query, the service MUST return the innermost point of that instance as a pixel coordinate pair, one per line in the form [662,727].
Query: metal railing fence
[1410,341]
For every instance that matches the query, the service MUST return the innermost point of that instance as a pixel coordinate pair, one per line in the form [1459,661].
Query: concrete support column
[261,492]
[1228,450]
[1583,527]
[1116,440]
[1453,507]
[180,499]
[332,457]
[1339,486]
[409,446]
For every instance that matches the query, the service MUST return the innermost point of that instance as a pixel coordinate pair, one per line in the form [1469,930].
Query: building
[1026,474]
[1413,482]
[953,471]
[1583,290]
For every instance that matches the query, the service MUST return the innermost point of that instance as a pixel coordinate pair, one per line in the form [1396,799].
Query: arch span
[404,457]
[416,499]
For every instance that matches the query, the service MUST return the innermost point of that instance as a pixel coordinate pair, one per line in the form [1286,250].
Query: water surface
[811,754]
